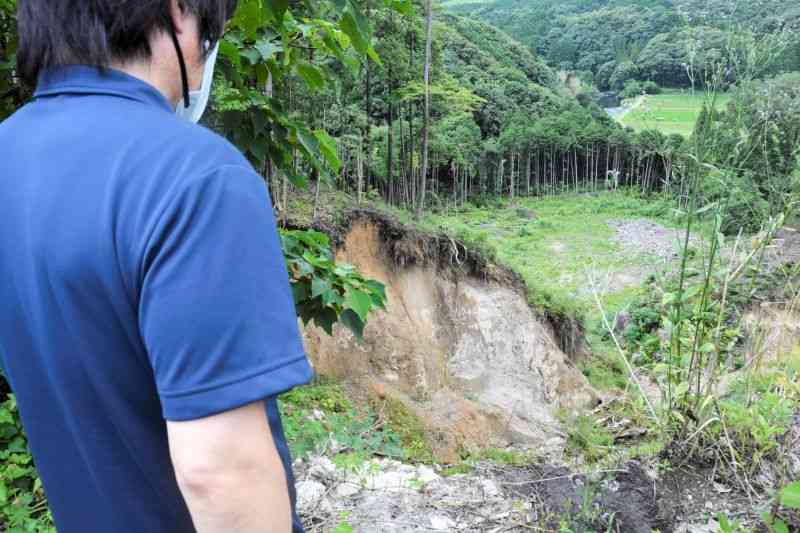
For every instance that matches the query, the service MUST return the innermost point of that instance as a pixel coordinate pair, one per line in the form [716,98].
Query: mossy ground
[401,421]
[320,418]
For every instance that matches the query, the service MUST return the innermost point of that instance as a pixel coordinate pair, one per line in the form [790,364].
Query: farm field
[671,112]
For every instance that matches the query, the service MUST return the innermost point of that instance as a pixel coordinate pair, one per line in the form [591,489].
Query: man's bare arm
[230,473]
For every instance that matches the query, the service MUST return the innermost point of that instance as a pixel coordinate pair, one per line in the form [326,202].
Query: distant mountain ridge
[613,41]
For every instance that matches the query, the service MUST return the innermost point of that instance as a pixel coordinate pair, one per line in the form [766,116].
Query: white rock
[407,470]
[711,527]
[322,468]
[425,474]
[442,523]
[309,494]
[390,481]
[347,489]
[490,489]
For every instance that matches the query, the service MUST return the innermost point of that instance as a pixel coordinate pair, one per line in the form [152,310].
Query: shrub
[626,71]
[632,89]
[317,415]
[651,87]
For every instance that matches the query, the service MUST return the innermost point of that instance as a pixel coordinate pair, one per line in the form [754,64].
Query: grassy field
[673,111]
[554,243]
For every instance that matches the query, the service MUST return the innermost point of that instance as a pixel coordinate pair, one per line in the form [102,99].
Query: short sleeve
[215,309]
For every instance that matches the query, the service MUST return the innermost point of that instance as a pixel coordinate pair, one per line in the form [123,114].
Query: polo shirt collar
[78,79]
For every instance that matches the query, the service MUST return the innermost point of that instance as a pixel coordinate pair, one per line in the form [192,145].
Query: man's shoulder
[197,146]
[189,151]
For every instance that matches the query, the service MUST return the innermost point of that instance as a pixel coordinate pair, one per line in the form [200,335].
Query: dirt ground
[642,236]
[636,497]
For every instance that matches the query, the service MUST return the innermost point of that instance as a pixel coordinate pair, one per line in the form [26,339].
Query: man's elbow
[217,481]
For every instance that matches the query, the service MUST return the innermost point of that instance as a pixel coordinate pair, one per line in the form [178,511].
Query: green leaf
[708,347]
[790,496]
[3,492]
[277,8]
[349,25]
[300,291]
[252,55]
[374,55]
[780,527]
[230,51]
[706,208]
[248,18]
[360,302]
[296,179]
[319,286]
[404,7]
[327,145]
[724,523]
[332,298]
[352,322]
[377,287]
[344,527]
[308,141]
[312,75]
[267,49]
[259,149]
[325,318]
[6,417]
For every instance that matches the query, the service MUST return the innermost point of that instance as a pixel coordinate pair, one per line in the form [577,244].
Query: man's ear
[180,14]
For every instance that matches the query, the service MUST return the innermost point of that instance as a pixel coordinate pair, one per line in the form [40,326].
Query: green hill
[478,56]
[610,42]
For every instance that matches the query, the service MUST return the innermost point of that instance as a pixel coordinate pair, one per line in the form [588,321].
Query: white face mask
[198,100]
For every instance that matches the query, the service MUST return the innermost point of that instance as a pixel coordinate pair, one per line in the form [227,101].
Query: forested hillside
[499,122]
[610,42]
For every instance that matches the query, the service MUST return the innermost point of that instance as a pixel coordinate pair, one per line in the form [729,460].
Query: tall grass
[702,307]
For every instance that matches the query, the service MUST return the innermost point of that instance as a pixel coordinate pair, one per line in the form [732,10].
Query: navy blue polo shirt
[141,280]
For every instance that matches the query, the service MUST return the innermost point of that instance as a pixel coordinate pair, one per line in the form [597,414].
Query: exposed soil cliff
[458,345]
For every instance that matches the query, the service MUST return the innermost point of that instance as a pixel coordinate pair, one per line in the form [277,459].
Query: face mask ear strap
[181,62]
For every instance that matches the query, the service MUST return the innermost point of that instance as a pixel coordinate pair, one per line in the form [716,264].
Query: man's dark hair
[97,32]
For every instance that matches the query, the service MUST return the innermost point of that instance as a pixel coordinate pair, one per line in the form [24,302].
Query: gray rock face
[504,356]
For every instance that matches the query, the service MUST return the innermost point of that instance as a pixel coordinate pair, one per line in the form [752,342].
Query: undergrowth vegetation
[321,419]
[23,507]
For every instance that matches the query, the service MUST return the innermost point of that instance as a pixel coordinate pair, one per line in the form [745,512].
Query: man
[147,322]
